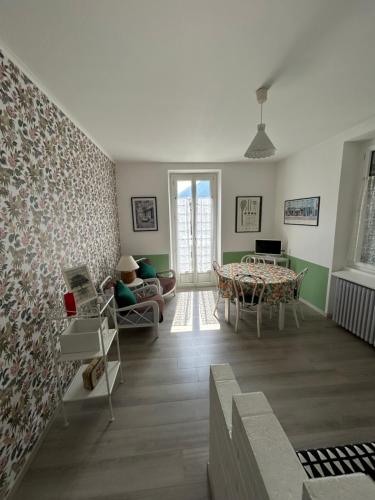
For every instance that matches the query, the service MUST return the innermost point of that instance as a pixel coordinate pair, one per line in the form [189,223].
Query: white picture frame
[78,281]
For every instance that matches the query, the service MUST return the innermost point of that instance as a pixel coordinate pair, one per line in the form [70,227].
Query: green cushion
[123,295]
[146,271]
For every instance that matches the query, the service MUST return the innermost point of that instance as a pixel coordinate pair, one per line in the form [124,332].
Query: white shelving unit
[76,390]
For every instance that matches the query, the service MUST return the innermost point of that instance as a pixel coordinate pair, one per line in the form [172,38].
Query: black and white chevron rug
[339,460]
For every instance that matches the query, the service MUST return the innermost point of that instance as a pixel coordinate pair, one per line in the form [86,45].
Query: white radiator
[354,309]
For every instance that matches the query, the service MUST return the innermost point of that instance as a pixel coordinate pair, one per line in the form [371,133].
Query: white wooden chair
[216,268]
[140,315]
[297,291]
[248,259]
[257,259]
[249,302]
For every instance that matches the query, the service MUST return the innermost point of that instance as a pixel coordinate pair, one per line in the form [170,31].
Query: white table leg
[227,310]
[281,315]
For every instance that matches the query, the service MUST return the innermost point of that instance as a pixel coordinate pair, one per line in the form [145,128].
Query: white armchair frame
[140,315]
[156,281]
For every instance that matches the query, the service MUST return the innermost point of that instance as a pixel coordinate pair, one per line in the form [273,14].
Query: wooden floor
[319,380]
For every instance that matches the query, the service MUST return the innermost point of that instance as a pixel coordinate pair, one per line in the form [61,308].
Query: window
[365,252]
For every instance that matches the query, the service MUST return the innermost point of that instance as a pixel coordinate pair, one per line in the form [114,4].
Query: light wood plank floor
[319,380]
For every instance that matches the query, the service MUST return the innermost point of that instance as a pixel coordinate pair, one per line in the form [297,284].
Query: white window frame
[191,174]
[357,264]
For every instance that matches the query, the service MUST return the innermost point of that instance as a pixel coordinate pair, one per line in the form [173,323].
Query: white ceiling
[174,80]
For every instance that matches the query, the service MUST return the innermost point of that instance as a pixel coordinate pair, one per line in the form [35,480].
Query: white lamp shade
[261,146]
[127,264]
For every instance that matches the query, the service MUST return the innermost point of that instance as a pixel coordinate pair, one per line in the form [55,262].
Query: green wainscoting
[229,257]
[314,287]
[159,261]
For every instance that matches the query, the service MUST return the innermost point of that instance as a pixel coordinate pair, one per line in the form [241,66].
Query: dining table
[280,285]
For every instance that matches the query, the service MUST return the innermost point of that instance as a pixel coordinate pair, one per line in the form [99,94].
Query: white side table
[138,282]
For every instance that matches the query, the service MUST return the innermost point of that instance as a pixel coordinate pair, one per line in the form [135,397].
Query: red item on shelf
[70,304]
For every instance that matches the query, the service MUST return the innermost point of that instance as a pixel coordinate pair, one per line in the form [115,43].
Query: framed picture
[79,282]
[248,214]
[302,211]
[144,211]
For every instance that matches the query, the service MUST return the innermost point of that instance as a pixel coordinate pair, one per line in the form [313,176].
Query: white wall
[313,172]
[316,171]
[151,179]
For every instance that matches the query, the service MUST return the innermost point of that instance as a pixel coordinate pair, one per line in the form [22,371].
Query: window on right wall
[365,247]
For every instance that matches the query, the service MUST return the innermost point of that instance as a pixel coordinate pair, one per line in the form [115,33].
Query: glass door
[193,216]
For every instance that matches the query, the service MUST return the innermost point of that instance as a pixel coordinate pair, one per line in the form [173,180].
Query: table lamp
[127,265]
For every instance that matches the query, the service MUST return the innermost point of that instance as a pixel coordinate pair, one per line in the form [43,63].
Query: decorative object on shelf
[302,211]
[127,265]
[70,304]
[261,146]
[144,211]
[83,335]
[79,282]
[248,214]
[92,373]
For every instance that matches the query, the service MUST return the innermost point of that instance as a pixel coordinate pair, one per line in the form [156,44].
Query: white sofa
[251,457]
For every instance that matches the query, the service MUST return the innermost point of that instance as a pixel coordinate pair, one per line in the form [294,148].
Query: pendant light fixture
[261,146]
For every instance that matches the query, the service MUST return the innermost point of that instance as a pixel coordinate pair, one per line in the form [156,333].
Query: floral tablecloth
[280,281]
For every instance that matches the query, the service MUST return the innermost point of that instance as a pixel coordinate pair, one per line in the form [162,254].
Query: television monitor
[268,247]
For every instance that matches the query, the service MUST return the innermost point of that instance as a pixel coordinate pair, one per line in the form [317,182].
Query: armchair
[165,280]
[147,312]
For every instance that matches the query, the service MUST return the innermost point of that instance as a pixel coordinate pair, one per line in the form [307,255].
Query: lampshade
[261,146]
[127,264]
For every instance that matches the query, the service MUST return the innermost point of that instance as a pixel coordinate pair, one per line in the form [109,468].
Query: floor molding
[316,309]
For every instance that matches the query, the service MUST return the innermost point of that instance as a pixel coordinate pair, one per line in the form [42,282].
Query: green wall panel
[314,287]
[159,261]
[229,257]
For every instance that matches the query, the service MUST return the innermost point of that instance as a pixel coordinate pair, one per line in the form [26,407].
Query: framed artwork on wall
[302,211]
[78,281]
[248,214]
[144,212]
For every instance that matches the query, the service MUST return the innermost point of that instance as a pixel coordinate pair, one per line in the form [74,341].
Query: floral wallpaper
[57,207]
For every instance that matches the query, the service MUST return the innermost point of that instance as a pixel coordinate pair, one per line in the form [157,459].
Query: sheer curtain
[368,242]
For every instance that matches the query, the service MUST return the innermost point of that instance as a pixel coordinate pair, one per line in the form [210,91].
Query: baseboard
[34,451]
[209,486]
[316,309]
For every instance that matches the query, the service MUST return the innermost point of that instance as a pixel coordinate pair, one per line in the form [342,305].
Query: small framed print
[248,214]
[79,282]
[144,212]
[302,211]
